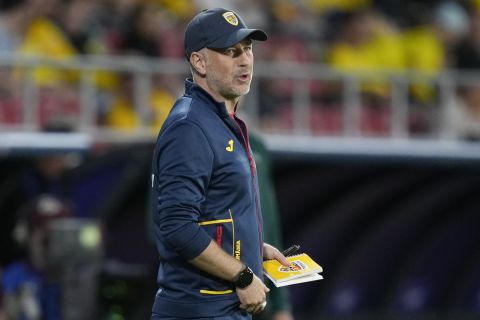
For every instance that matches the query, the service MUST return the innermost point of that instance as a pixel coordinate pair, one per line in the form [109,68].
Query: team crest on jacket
[295,265]
[231,18]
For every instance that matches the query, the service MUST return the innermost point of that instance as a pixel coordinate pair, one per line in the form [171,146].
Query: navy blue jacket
[204,187]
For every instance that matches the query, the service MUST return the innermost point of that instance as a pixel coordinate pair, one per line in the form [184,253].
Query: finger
[255,309]
[266,289]
[282,259]
[248,307]
[264,305]
[260,307]
[252,309]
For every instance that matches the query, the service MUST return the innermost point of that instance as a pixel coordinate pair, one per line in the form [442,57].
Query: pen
[291,250]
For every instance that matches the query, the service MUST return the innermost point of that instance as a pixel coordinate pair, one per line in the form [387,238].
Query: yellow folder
[302,269]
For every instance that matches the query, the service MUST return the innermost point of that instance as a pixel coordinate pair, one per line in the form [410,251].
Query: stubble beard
[226,89]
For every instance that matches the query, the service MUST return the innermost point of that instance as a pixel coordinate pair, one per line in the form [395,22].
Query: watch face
[244,279]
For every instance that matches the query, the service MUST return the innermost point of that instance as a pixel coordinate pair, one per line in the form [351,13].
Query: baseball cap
[218,28]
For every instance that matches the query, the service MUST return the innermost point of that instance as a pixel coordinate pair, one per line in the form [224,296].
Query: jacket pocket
[222,232]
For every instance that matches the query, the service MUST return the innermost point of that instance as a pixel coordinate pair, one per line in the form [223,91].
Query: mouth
[244,77]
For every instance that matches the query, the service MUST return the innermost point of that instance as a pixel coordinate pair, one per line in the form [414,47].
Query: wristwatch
[243,278]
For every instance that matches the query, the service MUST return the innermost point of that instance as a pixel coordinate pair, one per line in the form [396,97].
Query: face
[228,71]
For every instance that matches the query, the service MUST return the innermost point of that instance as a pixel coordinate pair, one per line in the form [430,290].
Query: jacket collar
[192,89]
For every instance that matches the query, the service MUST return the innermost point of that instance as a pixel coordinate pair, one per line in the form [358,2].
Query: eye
[229,51]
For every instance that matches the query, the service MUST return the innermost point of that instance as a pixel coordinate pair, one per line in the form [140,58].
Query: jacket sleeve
[184,166]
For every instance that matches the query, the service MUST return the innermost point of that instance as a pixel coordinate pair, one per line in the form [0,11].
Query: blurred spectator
[57,277]
[253,12]
[80,23]
[452,23]
[464,115]
[293,19]
[27,29]
[147,30]
[183,10]
[275,102]
[367,42]
[467,54]
[324,6]
[161,100]
[124,116]
[44,175]
[143,31]
[429,40]
[14,18]
[31,286]
[44,38]
[329,11]
[121,114]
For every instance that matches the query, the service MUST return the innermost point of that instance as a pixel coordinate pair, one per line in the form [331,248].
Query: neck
[229,103]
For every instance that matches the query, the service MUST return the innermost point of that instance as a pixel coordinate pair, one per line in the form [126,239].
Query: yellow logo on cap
[231,18]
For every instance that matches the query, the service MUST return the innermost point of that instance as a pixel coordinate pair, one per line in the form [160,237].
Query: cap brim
[237,36]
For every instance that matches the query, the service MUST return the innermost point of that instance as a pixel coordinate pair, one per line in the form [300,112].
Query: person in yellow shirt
[428,43]
[368,44]
[323,6]
[44,39]
[125,117]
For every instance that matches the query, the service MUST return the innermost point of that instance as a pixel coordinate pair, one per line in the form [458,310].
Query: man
[32,285]
[207,217]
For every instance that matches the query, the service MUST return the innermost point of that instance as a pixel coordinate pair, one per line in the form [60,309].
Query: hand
[282,315]
[270,252]
[253,297]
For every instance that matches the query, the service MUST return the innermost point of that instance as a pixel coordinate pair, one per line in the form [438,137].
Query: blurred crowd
[354,37]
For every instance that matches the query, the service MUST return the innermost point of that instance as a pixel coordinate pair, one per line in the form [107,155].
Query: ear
[198,62]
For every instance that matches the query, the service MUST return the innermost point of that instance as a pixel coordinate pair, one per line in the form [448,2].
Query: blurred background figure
[57,277]
[44,175]
[14,19]
[433,31]
[467,53]
[464,113]
[31,285]
[278,300]
[367,42]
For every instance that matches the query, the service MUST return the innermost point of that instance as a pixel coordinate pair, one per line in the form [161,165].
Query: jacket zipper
[239,124]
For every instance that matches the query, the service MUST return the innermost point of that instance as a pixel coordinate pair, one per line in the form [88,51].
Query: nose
[245,58]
